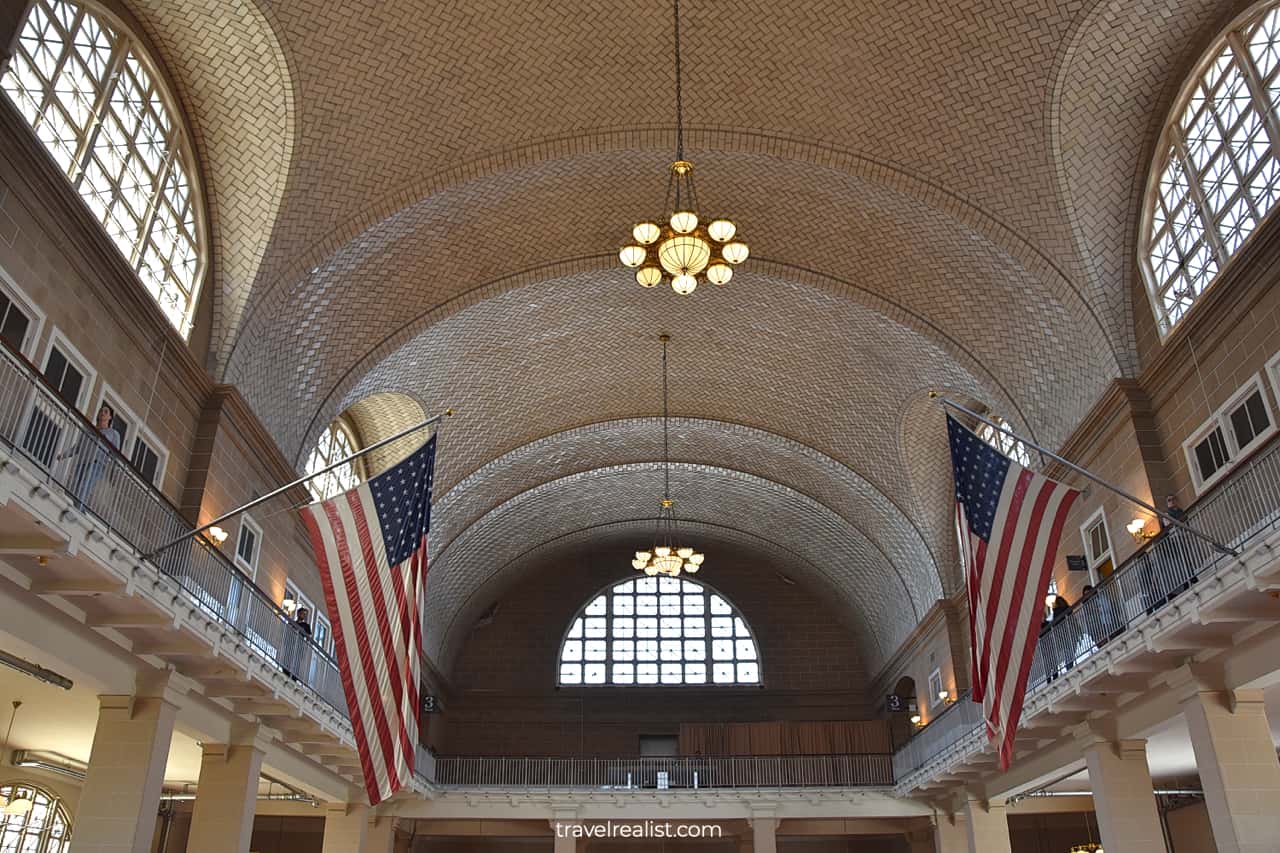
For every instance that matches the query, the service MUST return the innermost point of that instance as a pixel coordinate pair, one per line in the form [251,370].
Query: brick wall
[504,699]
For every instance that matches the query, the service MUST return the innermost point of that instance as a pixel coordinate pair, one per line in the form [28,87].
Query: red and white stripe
[377,639]
[1007,577]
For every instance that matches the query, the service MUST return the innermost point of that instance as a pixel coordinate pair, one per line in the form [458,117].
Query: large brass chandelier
[682,249]
[667,556]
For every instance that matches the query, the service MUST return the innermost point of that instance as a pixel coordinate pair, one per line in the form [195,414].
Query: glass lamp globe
[632,256]
[648,276]
[697,558]
[684,553]
[639,564]
[643,556]
[662,551]
[18,807]
[691,568]
[646,232]
[719,273]
[722,230]
[651,570]
[684,221]
[684,284]
[684,254]
[735,253]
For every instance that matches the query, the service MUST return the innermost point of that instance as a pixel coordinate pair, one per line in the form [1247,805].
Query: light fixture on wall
[288,605]
[682,249]
[1138,530]
[667,556]
[217,534]
[18,806]
[945,696]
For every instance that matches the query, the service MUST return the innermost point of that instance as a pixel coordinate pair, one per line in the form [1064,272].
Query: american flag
[1009,521]
[371,546]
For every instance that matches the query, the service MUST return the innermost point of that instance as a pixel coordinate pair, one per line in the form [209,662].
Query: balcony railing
[72,456]
[1242,508]
[687,772]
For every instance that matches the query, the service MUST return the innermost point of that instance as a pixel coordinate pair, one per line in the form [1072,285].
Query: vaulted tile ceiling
[423,202]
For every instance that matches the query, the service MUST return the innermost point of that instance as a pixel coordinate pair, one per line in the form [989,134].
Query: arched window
[1003,439]
[334,444]
[45,828]
[658,631]
[1216,174]
[89,91]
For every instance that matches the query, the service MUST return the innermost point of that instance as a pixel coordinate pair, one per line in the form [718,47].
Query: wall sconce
[945,696]
[1138,530]
[217,534]
[288,605]
[915,719]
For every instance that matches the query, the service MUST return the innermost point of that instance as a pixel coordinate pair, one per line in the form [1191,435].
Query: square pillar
[381,837]
[764,834]
[346,828]
[988,826]
[121,794]
[1238,769]
[950,834]
[920,841]
[1128,818]
[226,795]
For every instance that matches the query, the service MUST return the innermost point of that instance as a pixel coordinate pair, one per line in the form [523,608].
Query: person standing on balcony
[92,455]
[297,656]
[1179,550]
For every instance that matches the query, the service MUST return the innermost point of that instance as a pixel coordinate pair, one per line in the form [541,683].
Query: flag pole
[935,395]
[281,490]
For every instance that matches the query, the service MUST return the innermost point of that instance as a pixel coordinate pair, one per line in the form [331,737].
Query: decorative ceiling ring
[859,490]
[657,140]
[343,392]
[616,533]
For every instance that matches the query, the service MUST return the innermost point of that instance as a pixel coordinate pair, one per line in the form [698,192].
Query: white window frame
[1273,371]
[249,569]
[58,339]
[1100,515]
[1221,419]
[936,686]
[19,296]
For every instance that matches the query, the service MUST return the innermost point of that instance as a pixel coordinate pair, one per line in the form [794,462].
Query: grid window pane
[43,829]
[658,631]
[1216,176]
[86,92]
[333,445]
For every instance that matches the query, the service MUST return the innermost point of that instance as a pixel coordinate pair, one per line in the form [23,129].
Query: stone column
[920,841]
[564,840]
[950,834]
[988,826]
[764,834]
[346,827]
[121,794]
[227,794]
[1128,818]
[381,837]
[1238,769]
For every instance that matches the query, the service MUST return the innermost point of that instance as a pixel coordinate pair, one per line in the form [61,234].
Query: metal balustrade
[1245,506]
[685,772]
[71,455]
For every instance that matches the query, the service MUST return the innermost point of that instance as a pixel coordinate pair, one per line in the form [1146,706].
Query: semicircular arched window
[90,93]
[1004,440]
[44,828]
[335,443]
[1216,173]
[661,632]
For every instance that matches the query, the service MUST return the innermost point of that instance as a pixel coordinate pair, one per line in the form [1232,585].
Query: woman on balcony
[92,455]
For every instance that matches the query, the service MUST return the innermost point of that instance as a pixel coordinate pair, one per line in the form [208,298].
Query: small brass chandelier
[667,556]
[683,248]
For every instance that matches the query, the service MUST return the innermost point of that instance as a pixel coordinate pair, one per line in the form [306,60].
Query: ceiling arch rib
[867,585]
[918,259]
[622,538]
[700,441]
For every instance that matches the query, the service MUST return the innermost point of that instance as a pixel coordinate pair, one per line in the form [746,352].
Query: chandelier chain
[679,89]
[666,439]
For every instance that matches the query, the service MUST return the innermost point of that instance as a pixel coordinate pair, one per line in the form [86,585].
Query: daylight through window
[334,444]
[86,89]
[659,631]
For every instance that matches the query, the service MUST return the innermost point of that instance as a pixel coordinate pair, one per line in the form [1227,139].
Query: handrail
[662,772]
[1245,505]
[70,453]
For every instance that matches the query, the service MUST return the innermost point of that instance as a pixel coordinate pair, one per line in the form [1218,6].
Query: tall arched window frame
[334,443]
[1005,441]
[94,98]
[658,632]
[1217,170]
[46,828]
